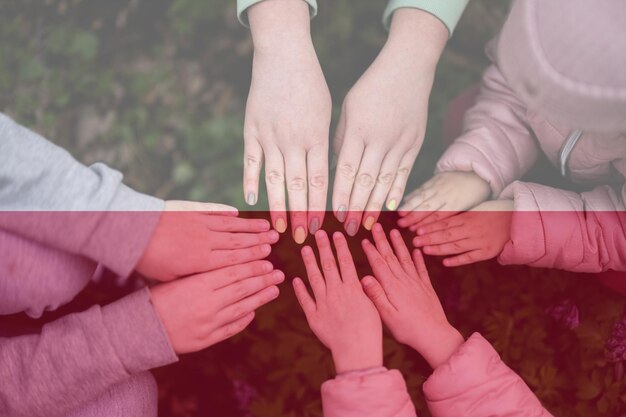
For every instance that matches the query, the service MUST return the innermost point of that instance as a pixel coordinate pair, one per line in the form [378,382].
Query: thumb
[376,293]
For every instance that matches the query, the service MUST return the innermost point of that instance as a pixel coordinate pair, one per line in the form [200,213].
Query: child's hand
[197,237]
[442,196]
[472,236]
[340,314]
[204,309]
[404,296]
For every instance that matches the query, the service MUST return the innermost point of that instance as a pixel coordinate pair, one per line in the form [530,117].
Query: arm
[285,131]
[476,380]
[561,229]
[449,12]
[78,357]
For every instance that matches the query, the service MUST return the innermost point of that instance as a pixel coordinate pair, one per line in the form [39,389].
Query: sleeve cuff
[448,11]
[124,230]
[137,334]
[243,5]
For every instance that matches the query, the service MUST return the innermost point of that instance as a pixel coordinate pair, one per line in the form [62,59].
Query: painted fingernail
[352,228]
[299,235]
[369,222]
[251,199]
[280,226]
[314,226]
[392,205]
[341,213]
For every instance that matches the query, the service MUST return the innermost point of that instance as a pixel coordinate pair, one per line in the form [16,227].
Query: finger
[363,186]
[246,287]
[379,266]
[421,212]
[226,240]
[376,293]
[452,248]
[347,167]
[346,263]
[295,165]
[226,257]
[382,244]
[224,277]
[420,266]
[304,298]
[378,195]
[249,304]
[235,224]
[403,254]
[327,259]
[230,329]
[318,285]
[317,169]
[444,224]
[436,217]
[202,208]
[275,184]
[465,258]
[402,176]
[417,197]
[252,162]
[443,236]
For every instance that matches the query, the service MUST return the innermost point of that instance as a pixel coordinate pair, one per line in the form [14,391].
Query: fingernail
[314,226]
[420,231]
[273,292]
[299,235]
[352,228]
[369,222]
[251,199]
[278,276]
[267,266]
[367,281]
[417,241]
[392,205]
[266,248]
[274,236]
[341,213]
[280,226]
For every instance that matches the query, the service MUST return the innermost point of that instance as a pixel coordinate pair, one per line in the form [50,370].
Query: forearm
[279,24]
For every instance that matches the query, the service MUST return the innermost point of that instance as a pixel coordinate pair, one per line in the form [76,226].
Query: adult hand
[287,117]
[204,309]
[472,236]
[383,120]
[339,313]
[442,196]
[404,296]
[196,237]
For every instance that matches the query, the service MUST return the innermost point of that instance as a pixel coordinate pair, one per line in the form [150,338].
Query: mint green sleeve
[242,6]
[448,11]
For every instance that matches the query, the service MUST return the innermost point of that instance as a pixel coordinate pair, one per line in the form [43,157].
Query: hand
[473,236]
[340,314]
[383,120]
[442,196]
[287,118]
[405,298]
[204,309]
[196,237]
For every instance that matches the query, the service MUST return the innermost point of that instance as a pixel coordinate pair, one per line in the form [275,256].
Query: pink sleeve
[474,382]
[497,143]
[78,357]
[561,229]
[376,393]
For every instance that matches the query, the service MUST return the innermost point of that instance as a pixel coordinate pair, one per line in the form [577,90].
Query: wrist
[358,358]
[418,34]
[279,24]
[442,344]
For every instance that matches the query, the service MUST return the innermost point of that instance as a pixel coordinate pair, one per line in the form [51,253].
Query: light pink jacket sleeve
[372,393]
[78,357]
[555,228]
[474,382]
[496,144]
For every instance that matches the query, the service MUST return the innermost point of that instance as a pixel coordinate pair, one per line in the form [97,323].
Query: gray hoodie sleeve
[48,196]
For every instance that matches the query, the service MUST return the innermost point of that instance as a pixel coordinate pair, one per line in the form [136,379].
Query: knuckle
[328,265]
[231,259]
[274,177]
[347,170]
[386,178]
[389,257]
[318,181]
[344,260]
[296,184]
[379,261]
[403,172]
[365,180]
[253,161]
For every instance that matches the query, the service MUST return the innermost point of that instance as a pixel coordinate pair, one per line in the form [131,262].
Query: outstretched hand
[339,313]
[406,300]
